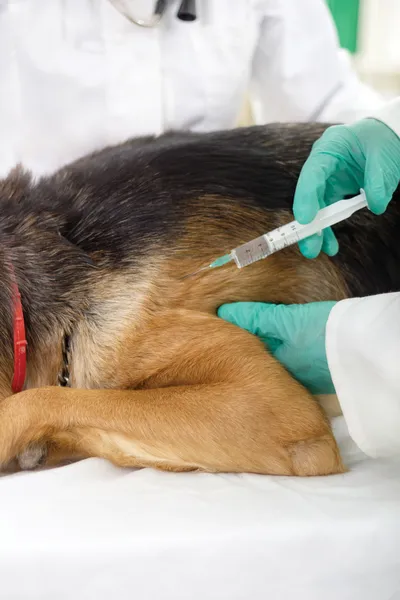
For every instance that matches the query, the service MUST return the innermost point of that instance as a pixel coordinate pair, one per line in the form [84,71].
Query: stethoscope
[186,12]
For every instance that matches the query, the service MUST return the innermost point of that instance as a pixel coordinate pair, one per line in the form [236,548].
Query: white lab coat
[76,75]
[363,351]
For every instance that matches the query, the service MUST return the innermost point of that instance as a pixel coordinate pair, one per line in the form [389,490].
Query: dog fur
[100,251]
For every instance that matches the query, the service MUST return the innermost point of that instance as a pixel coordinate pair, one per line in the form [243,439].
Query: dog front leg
[210,398]
[183,428]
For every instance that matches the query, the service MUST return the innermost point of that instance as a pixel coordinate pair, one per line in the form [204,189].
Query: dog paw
[33,456]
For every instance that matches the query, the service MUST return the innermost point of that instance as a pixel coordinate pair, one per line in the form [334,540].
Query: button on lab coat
[76,75]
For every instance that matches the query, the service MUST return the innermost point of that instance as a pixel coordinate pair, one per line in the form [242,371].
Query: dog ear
[16,184]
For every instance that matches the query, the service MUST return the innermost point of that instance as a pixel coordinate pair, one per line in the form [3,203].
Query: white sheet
[91,531]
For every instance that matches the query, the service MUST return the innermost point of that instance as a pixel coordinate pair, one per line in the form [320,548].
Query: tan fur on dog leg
[246,415]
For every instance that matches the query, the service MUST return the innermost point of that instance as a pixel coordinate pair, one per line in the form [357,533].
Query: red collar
[19,336]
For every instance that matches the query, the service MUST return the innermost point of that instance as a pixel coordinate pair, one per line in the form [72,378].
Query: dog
[99,254]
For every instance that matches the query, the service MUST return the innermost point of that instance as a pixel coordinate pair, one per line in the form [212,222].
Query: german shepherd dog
[100,251]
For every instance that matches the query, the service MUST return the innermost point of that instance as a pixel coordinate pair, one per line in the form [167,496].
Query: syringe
[289,234]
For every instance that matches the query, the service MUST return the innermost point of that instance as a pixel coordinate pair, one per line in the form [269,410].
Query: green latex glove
[345,159]
[294,334]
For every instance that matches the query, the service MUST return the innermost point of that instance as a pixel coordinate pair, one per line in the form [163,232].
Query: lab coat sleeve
[299,72]
[390,115]
[363,351]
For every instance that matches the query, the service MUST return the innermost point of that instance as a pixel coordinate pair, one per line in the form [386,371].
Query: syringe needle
[196,272]
[218,262]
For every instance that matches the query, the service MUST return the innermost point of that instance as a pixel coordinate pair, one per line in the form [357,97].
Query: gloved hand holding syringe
[292,233]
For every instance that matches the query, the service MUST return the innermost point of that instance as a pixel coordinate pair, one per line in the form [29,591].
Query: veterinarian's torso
[76,75]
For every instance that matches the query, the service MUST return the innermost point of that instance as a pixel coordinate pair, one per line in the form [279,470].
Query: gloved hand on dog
[295,335]
[346,158]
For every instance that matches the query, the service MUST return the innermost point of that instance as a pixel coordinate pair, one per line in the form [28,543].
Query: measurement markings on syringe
[252,251]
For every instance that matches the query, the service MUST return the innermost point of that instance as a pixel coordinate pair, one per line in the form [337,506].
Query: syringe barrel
[293,232]
[252,251]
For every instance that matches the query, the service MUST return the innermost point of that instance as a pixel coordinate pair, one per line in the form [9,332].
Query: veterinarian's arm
[354,343]
[299,71]
[363,349]
[345,159]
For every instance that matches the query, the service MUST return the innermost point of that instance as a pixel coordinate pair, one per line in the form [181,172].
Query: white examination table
[90,531]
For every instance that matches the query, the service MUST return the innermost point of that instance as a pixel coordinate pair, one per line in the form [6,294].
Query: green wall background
[345,14]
